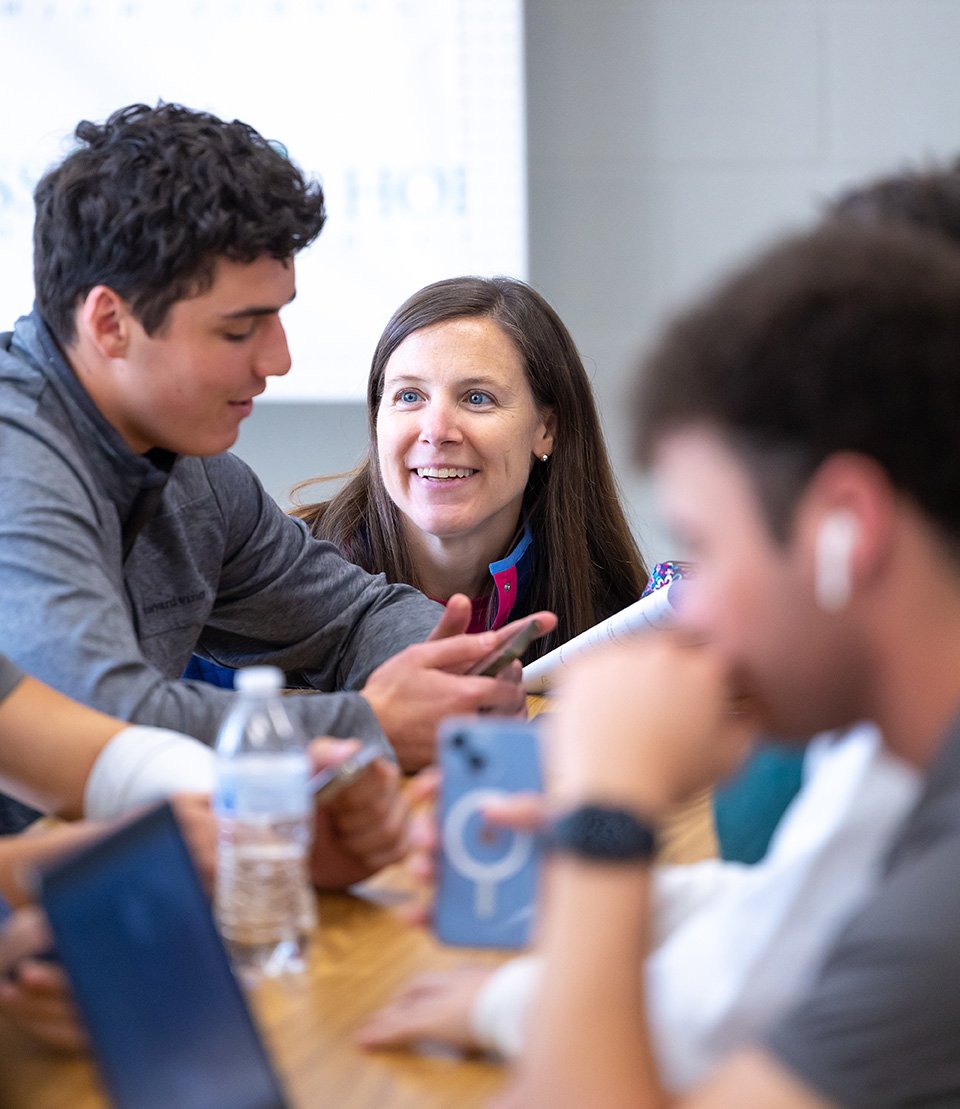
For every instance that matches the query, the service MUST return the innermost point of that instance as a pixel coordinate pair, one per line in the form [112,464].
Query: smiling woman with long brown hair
[487,471]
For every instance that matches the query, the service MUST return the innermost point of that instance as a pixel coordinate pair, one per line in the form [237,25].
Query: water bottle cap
[259,679]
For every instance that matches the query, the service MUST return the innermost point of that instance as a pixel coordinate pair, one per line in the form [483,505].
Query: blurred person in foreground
[801,424]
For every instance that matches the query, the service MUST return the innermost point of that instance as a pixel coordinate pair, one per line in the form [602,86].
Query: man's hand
[34,993]
[646,725]
[417,688]
[364,828]
[434,1007]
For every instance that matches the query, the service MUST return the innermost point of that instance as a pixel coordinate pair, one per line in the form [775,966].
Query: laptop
[167,1019]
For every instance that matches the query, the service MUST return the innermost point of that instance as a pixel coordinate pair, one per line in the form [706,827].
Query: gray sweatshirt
[212,565]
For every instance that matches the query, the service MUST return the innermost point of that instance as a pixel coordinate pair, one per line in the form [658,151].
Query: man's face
[752,597]
[187,387]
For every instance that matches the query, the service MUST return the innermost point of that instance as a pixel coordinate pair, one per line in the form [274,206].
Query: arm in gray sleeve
[315,614]
[117,637]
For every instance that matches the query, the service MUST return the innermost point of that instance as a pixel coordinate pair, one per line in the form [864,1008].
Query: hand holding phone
[327,783]
[501,657]
[487,880]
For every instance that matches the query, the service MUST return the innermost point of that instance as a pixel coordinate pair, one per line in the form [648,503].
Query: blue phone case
[488,876]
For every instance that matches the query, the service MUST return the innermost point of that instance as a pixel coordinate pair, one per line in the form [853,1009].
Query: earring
[833,552]
[544,457]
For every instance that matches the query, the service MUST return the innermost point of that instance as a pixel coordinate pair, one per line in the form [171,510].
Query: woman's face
[458,430]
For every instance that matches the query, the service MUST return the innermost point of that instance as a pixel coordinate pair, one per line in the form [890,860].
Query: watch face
[602,832]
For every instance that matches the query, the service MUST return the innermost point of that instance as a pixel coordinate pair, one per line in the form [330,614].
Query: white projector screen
[410,111]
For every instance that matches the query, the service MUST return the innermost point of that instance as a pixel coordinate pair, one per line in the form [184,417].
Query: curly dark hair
[843,339]
[150,200]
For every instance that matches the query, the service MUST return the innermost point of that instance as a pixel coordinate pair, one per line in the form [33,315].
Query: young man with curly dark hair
[164,253]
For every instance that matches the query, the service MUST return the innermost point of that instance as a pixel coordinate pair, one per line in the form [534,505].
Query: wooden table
[362,953]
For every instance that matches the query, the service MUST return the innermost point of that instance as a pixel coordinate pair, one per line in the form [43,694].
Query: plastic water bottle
[263,900]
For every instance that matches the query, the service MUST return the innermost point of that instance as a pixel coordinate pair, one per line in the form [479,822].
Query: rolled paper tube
[655,610]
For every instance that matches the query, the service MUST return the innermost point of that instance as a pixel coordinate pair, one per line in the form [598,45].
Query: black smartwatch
[602,833]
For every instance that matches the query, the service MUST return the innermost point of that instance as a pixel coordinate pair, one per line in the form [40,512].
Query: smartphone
[168,1021]
[487,882]
[501,657]
[327,783]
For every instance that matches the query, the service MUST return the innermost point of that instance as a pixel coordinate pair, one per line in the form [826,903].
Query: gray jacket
[213,565]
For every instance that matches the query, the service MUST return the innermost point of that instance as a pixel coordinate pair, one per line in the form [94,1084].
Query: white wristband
[141,765]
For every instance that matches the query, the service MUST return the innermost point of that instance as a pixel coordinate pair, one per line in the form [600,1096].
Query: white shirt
[736,943]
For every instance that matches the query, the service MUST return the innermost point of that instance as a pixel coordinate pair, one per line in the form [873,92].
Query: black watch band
[602,832]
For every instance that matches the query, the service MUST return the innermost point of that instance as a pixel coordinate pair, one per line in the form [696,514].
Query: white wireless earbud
[832,558]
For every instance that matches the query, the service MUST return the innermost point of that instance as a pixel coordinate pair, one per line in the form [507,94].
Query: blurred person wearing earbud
[755,934]
[800,423]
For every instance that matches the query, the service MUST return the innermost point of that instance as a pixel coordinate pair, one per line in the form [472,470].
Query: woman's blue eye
[476,397]
[408,396]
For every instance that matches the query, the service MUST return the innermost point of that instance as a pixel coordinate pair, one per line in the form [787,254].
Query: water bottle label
[262,786]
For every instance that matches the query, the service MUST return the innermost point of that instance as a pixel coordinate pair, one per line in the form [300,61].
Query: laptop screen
[167,1019]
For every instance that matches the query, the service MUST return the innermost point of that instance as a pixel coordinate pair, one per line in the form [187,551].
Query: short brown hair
[843,339]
